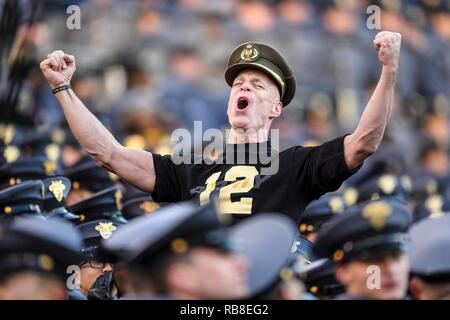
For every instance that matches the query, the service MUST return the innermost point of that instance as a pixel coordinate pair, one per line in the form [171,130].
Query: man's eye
[237,84]
[258,86]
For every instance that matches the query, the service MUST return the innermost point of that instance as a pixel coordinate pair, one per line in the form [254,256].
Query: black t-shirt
[247,186]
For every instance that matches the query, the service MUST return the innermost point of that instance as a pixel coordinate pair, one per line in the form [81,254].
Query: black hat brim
[286,87]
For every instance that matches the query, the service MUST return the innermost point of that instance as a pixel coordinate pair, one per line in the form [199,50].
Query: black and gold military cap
[385,185]
[86,174]
[252,55]
[173,229]
[362,230]
[93,233]
[179,228]
[139,206]
[24,168]
[101,205]
[56,190]
[30,243]
[319,279]
[22,199]
[320,211]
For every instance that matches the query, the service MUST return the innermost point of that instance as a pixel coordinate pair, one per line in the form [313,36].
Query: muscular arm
[368,135]
[133,165]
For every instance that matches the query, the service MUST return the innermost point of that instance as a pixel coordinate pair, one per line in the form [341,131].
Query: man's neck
[239,136]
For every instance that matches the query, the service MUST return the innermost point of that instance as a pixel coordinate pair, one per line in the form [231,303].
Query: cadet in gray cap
[183,252]
[430,259]
[368,245]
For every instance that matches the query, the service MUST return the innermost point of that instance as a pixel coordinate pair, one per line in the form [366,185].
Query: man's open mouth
[242,103]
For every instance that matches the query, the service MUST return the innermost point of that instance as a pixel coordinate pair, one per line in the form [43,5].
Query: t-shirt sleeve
[321,169]
[171,184]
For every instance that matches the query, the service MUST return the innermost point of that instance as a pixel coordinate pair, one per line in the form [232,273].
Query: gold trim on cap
[338,255]
[149,206]
[314,289]
[179,246]
[286,274]
[46,262]
[275,75]
[7,210]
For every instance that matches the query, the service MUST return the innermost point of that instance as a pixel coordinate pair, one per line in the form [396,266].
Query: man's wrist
[391,69]
[61,88]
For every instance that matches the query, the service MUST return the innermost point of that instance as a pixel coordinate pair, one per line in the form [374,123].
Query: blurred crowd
[147,67]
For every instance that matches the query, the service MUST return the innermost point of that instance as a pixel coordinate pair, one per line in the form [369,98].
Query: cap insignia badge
[57,189]
[105,229]
[387,183]
[377,213]
[249,53]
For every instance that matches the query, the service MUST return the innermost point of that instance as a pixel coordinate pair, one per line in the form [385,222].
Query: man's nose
[245,86]
[107,267]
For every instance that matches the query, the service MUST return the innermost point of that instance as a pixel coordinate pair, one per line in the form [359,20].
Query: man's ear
[277,107]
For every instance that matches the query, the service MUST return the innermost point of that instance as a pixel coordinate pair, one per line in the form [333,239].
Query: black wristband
[58,89]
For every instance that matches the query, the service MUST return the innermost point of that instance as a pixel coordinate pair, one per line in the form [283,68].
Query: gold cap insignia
[49,167]
[46,262]
[350,196]
[11,154]
[336,205]
[57,189]
[249,53]
[8,134]
[105,229]
[149,206]
[434,204]
[286,274]
[118,197]
[377,213]
[52,152]
[387,183]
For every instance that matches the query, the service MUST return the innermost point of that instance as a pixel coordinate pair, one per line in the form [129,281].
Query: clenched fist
[388,46]
[58,68]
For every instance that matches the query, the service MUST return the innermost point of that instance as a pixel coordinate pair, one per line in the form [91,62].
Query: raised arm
[367,137]
[133,165]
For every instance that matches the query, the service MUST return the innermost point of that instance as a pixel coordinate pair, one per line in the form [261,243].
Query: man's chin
[241,123]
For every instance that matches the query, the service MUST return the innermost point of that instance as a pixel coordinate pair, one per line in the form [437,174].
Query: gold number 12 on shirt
[244,205]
